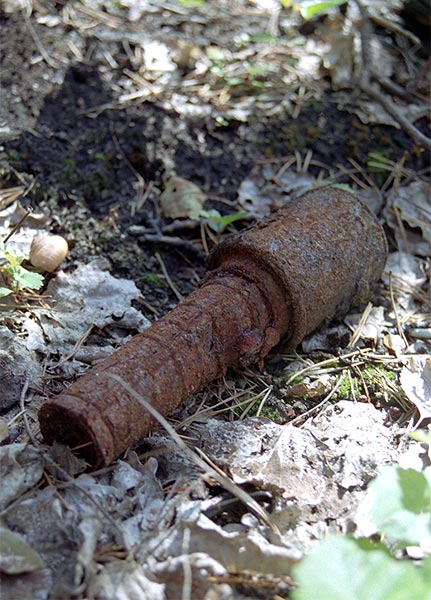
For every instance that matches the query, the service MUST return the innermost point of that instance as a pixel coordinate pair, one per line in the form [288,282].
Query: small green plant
[368,379]
[217,222]
[155,280]
[345,568]
[16,277]
[379,166]
[343,186]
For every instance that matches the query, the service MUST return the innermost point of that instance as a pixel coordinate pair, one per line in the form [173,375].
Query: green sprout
[217,222]
[17,277]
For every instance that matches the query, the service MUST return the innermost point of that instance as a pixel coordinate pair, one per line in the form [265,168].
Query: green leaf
[422,436]
[26,279]
[13,257]
[4,292]
[191,3]
[401,505]
[343,186]
[254,69]
[221,121]
[263,37]
[310,9]
[217,222]
[342,568]
[232,81]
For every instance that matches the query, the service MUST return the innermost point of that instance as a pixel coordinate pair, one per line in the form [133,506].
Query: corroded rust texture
[280,279]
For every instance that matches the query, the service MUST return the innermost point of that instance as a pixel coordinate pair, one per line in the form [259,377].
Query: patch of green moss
[69,171]
[155,280]
[370,376]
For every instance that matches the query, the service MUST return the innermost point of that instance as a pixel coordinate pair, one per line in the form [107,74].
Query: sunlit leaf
[191,3]
[13,257]
[310,9]
[401,505]
[26,279]
[342,568]
[422,436]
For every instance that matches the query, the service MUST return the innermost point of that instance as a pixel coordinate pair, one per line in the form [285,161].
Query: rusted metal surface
[280,279]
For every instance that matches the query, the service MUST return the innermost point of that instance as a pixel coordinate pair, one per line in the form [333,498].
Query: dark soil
[82,153]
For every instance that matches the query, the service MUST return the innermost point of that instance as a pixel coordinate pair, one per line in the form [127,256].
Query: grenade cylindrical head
[327,248]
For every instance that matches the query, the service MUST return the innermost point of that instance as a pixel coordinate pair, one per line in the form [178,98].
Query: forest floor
[102,104]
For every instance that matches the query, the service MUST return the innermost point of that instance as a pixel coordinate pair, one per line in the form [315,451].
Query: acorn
[47,252]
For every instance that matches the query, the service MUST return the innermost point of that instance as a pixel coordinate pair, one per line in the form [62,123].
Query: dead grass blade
[200,462]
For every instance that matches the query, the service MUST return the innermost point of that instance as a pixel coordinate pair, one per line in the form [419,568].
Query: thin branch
[367,74]
[169,281]
[392,109]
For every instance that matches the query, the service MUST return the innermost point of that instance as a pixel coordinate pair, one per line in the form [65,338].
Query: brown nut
[47,252]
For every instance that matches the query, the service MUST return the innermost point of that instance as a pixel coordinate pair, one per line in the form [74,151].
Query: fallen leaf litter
[92,522]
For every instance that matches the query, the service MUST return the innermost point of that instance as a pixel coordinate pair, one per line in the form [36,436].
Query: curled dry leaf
[16,555]
[415,380]
[182,199]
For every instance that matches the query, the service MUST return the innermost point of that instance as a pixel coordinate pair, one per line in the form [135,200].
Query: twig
[140,233]
[394,307]
[315,408]
[39,44]
[17,226]
[361,325]
[24,410]
[367,73]
[75,349]
[169,281]
[392,109]
[395,28]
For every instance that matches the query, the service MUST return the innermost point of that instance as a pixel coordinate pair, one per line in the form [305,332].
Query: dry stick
[75,348]
[394,306]
[372,91]
[17,225]
[362,322]
[392,109]
[224,481]
[169,240]
[321,403]
[24,410]
[39,44]
[169,281]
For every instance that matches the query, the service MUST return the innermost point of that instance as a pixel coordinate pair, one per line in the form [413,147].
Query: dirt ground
[101,104]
